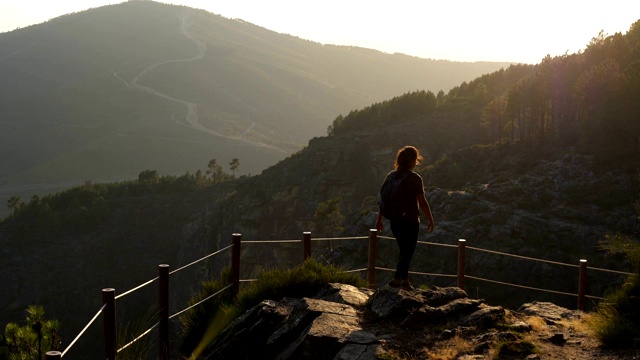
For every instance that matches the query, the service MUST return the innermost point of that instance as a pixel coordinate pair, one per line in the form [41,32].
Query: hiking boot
[406,285]
[395,283]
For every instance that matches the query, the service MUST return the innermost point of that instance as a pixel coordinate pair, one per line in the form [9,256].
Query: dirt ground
[562,340]
[577,342]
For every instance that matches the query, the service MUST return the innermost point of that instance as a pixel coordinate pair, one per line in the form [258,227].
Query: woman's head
[407,158]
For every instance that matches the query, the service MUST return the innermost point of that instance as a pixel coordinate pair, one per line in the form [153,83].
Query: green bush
[616,323]
[203,323]
[32,340]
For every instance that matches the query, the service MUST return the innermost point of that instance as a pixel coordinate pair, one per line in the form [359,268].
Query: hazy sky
[463,30]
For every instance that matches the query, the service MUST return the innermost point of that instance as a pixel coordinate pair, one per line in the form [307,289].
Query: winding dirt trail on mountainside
[192,120]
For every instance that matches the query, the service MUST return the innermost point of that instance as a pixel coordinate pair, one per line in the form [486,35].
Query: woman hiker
[402,193]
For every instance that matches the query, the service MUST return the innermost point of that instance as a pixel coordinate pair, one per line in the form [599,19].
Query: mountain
[536,161]
[107,93]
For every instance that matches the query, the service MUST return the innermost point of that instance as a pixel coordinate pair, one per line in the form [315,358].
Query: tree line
[87,204]
[587,100]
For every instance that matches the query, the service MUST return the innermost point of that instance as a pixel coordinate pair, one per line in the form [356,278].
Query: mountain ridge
[256,88]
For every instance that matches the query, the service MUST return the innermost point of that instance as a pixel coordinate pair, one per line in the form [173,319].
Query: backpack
[393,198]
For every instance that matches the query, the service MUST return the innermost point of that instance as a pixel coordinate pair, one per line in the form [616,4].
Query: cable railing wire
[341,238]
[136,288]
[522,257]
[201,259]
[613,271]
[201,301]
[84,329]
[269,241]
[437,244]
[149,282]
[139,337]
[432,274]
[520,286]
[417,273]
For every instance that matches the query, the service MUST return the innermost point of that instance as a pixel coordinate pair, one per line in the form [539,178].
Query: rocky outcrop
[343,322]
[349,323]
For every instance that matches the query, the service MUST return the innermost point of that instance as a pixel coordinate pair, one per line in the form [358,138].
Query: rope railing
[201,301]
[613,271]
[108,309]
[437,244]
[270,241]
[199,260]
[417,273]
[139,337]
[109,306]
[522,257]
[341,238]
[520,286]
[82,331]
[136,288]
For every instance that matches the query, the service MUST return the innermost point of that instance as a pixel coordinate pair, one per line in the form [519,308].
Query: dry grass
[537,323]
[450,349]
[580,325]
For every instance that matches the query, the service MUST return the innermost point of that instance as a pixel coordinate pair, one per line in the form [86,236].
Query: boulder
[551,313]
[345,294]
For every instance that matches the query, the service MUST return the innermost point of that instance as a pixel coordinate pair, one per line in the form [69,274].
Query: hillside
[514,212]
[107,93]
[546,175]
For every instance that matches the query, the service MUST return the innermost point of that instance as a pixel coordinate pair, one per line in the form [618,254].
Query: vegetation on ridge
[586,100]
[203,323]
[617,319]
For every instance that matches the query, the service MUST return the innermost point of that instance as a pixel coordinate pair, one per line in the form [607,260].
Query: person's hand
[379,224]
[430,226]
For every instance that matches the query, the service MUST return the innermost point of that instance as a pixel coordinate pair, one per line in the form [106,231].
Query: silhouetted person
[405,224]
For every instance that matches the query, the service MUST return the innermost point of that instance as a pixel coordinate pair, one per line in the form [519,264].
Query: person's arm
[424,206]
[379,223]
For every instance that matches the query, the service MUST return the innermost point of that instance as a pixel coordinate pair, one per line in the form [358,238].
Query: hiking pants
[406,235]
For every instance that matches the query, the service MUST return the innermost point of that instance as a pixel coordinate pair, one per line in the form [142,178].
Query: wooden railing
[108,310]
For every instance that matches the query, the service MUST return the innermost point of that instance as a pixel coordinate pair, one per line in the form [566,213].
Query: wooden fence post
[582,284]
[306,241]
[236,239]
[461,262]
[373,250]
[163,312]
[109,318]
[53,355]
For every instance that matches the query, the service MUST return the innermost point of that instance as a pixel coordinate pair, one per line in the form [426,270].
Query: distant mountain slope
[106,93]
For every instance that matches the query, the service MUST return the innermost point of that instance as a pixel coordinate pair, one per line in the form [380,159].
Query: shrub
[616,322]
[203,323]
